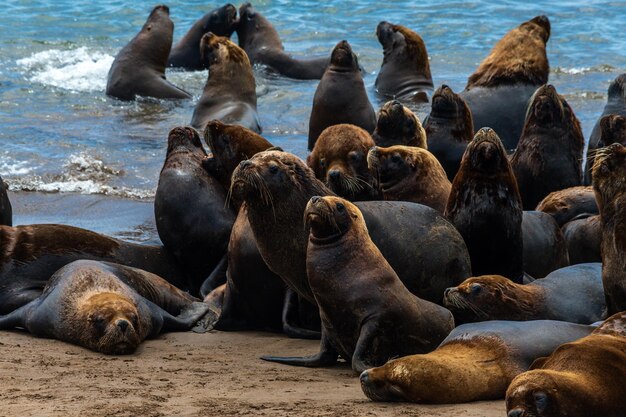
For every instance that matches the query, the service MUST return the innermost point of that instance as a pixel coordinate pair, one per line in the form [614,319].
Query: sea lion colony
[275,244]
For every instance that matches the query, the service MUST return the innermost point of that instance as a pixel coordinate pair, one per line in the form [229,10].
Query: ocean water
[59,133]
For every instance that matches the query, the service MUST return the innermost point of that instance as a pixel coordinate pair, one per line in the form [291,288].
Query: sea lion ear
[538,363]
[276,148]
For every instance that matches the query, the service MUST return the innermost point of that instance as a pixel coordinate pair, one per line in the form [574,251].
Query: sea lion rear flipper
[290,318]
[16,318]
[187,318]
[327,356]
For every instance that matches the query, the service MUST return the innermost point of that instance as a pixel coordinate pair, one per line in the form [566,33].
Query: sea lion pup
[477,361]
[230,91]
[340,96]
[583,237]
[612,130]
[486,208]
[368,315]
[408,173]
[139,67]
[550,150]
[499,90]
[106,307]
[449,128]
[6,211]
[579,379]
[262,43]
[190,209]
[572,294]
[398,125]
[221,21]
[570,203]
[405,72]
[609,171]
[339,160]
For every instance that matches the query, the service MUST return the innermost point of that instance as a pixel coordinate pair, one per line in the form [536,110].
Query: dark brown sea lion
[612,130]
[566,205]
[339,160]
[545,248]
[262,43]
[486,208]
[221,21]
[499,90]
[139,67]
[406,173]
[398,125]
[550,150]
[190,209]
[449,128]
[6,211]
[579,379]
[230,91]
[340,96]
[368,315]
[405,72]
[572,294]
[106,307]
[29,255]
[475,362]
[609,171]
[583,237]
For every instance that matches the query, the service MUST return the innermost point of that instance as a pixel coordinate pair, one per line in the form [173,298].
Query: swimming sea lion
[229,94]
[106,307]
[583,237]
[398,125]
[139,67]
[368,315]
[340,96]
[612,130]
[405,72]
[6,211]
[566,205]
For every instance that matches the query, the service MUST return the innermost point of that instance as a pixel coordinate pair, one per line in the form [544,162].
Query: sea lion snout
[122,324]
[515,413]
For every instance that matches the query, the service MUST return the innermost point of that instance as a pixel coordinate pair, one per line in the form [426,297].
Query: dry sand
[188,374]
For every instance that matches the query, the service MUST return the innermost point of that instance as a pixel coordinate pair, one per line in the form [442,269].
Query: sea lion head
[343,59]
[184,137]
[221,21]
[613,129]
[485,154]
[154,41]
[394,164]
[254,30]
[609,173]
[329,218]
[388,36]
[536,394]
[547,107]
[402,41]
[219,49]
[539,26]
[398,121]
[616,88]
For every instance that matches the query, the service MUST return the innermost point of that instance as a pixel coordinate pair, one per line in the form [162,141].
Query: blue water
[59,132]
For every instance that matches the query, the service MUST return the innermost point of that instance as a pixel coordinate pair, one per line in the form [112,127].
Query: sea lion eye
[354,156]
[273,169]
[341,207]
[475,289]
[541,401]
[396,158]
[322,163]
[98,322]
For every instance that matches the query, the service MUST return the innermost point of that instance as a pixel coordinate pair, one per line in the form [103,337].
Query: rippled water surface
[59,132]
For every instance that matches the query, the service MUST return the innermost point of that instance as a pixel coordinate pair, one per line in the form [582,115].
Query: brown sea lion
[340,96]
[477,361]
[612,130]
[339,160]
[106,307]
[221,21]
[368,315]
[499,90]
[407,173]
[6,211]
[29,255]
[449,128]
[572,294]
[609,171]
[579,379]
[566,205]
[139,67]
[229,94]
[550,150]
[190,209]
[262,43]
[486,208]
[583,237]
[398,125]
[405,72]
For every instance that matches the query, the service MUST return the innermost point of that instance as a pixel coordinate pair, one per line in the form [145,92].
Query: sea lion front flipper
[217,277]
[366,355]
[290,318]
[327,356]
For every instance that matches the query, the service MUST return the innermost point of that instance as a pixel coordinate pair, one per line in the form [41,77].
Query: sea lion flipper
[217,277]
[325,357]
[187,318]
[16,318]
[289,319]
[366,348]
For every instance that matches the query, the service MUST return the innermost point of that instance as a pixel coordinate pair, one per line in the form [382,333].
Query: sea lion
[449,128]
[499,90]
[229,94]
[221,21]
[398,125]
[609,171]
[579,379]
[139,67]
[550,150]
[6,211]
[566,205]
[339,160]
[106,307]
[262,43]
[340,96]
[612,130]
[486,208]
[423,248]
[583,237]
[368,315]
[405,72]
[407,173]
[29,255]
[545,248]
[476,362]
[190,210]
[572,294]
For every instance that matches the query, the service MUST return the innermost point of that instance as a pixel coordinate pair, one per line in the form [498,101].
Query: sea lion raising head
[398,125]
